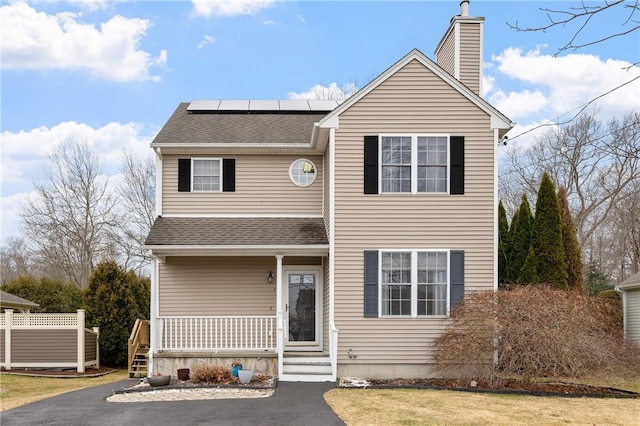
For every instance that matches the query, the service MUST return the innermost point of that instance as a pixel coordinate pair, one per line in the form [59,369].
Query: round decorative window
[303,172]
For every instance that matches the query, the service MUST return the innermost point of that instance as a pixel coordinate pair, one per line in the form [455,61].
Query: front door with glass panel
[302,310]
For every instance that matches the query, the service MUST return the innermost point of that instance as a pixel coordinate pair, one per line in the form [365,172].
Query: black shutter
[457,277]
[371,164]
[456,148]
[371,284]
[229,174]
[184,174]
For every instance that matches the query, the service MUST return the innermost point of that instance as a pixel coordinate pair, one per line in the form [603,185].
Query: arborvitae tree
[546,238]
[503,242]
[528,272]
[111,304]
[595,280]
[519,240]
[572,251]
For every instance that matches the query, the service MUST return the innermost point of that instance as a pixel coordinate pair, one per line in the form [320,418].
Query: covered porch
[264,305]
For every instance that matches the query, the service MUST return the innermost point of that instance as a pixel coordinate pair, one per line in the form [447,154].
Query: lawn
[20,390]
[434,407]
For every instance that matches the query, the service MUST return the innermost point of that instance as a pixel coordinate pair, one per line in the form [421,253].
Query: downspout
[153,315]
[333,331]
[280,315]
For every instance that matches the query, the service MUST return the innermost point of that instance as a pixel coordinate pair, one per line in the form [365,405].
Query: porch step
[139,365]
[306,368]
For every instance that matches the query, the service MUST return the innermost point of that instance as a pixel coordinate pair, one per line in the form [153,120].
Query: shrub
[111,301]
[52,295]
[535,331]
[211,373]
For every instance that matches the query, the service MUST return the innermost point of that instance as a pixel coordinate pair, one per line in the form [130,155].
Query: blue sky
[111,72]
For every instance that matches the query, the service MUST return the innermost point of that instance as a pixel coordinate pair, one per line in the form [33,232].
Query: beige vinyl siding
[42,346]
[413,100]
[446,56]
[632,316]
[262,187]
[216,286]
[470,61]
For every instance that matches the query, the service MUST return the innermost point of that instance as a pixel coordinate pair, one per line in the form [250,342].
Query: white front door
[303,309]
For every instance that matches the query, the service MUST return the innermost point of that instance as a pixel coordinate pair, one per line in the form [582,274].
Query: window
[303,172]
[206,174]
[413,163]
[413,283]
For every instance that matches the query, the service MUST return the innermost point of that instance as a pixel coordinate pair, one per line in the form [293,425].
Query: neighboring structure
[18,304]
[630,290]
[316,240]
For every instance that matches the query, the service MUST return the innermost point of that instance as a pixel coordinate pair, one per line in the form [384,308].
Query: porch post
[279,310]
[153,315]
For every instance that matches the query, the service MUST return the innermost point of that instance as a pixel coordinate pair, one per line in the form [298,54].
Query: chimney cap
[464,8]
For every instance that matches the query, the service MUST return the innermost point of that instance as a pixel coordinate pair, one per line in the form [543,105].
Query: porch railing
[213,333]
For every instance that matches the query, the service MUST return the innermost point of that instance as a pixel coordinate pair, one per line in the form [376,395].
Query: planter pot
[245,375]
[159,380]
[235,369]
[183,374]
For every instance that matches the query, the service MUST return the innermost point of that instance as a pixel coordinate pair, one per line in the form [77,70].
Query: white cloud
[208,8]
[330,92]
[519,104]
[206,40]
[569,81]
[270,23]
[93,5]
[25,155]
[36,40]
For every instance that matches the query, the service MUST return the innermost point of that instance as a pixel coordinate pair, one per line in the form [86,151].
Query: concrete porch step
[305,377]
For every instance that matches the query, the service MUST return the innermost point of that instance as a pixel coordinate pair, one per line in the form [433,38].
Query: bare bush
[211,373]
[535,331]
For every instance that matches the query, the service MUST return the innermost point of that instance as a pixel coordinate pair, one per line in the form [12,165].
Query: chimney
[460,51]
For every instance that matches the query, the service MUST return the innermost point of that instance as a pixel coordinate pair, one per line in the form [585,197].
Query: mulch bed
[507,386]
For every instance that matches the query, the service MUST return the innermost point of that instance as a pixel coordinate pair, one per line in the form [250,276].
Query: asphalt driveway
[292,404]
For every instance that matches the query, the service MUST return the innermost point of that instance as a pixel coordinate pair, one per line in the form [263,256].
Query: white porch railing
[256,333]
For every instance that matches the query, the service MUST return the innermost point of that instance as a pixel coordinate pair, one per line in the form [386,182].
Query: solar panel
[284,105]
[203,105]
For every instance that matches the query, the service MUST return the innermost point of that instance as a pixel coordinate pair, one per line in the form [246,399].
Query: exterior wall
[262,187]
[632,315]
[169,363]
[412,100]
[470,60]
[42,346]
[217,286]
[221,286]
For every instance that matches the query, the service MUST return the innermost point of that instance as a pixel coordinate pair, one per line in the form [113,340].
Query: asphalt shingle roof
[237,128]
[12,299]
[245,231]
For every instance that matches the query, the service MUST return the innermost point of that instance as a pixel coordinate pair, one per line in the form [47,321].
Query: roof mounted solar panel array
[262,105]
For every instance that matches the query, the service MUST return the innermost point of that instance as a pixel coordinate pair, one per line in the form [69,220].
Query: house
[18,304]
[314,240]
[630,290]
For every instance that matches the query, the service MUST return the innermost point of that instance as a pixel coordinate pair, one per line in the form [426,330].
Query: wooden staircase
[139,349]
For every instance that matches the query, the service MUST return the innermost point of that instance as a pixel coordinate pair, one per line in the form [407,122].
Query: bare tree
[599,165]
[137,201]
[578,18]
[70,218]
[15,260]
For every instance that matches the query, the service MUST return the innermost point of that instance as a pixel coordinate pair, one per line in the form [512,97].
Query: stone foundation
[170,362]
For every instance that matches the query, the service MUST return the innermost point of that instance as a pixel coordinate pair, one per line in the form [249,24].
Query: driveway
[292,404]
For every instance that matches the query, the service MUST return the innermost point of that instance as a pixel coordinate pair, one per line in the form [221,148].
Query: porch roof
[231,235]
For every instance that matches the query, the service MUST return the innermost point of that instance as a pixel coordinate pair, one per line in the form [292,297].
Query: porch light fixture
[270,277]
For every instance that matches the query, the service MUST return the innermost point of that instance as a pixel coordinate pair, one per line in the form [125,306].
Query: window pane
[432,283]
[396,283]
[396,164]
[206,175]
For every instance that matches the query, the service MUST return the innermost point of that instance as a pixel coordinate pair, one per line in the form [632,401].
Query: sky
[111,72]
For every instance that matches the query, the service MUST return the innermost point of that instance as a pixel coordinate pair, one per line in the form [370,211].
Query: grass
[16,391]
[433,407]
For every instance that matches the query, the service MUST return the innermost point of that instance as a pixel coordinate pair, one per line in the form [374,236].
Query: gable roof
[8,300]
[498,120]
[630,283]
[192,129]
